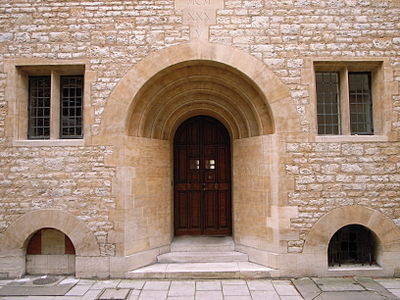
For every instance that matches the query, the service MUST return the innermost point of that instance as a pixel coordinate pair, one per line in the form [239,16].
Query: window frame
[21,77]
[380,102]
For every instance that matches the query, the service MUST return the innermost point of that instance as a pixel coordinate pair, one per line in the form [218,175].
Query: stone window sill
[44,143]
[351,138]
[355,268]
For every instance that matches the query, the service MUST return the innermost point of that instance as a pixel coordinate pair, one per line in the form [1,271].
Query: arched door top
[198,78]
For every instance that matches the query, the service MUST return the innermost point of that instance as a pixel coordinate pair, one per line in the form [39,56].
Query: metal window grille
[71,101]
[352,244]
[39,107]
[360,103]
[328,102]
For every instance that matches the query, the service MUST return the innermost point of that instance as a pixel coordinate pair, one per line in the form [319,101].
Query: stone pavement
[69,288]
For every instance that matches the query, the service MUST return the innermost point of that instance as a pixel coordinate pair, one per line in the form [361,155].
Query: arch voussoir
[18,233]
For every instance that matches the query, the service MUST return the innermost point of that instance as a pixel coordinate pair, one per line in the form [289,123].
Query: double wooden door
[202,178]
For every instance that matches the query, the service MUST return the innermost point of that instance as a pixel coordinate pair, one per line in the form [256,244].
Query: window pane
[71,106]
[360,103]
[39,107]
[328,102]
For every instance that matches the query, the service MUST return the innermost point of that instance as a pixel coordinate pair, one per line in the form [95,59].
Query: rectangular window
[360,103]
[71,100]
[328,109]
[344,99]
[39,107]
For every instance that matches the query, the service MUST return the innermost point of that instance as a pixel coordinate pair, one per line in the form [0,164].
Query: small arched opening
[353,245]
[50,251]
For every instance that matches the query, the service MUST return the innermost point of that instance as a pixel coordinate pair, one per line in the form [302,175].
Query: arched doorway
[202,178]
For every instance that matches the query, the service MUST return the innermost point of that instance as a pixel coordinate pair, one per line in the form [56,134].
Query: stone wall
[72,179]
[331,175]
[113,36]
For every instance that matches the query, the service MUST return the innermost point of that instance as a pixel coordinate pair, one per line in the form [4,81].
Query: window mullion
[344,102]
[55,106]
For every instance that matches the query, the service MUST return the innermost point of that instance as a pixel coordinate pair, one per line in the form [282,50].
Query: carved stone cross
[199,15]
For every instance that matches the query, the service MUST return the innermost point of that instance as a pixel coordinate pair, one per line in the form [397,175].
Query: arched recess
[17,235]
[241,91]
[319,236]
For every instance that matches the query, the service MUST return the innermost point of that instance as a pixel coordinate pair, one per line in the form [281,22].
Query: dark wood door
[202,178]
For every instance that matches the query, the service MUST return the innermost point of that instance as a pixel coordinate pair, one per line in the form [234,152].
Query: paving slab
[212,285]
[90,295]
[69,280]
[66,298]
[134,295]
[153,295]
[78,290]
[86,282]
[11,290]
[180,298]
[285,288]
[395,292]
[103,284]
[263,295]
[208,295]
[307,288]
[235,290]
[372,285]
[389,283]
[237,298]
[260,285]
[116,294]
[157,285]
[353,295]
[131,284]
[338,284]
[182,288]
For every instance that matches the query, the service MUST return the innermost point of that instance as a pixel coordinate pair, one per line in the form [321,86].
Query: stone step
[202,243]
[231,270]
[202,257]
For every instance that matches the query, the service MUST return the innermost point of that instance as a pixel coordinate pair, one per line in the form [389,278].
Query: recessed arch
[318,238]
[251,96]
[17,235]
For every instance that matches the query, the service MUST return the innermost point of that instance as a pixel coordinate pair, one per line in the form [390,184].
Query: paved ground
[69,288]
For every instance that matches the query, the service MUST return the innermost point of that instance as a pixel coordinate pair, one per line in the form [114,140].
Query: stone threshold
[232,270]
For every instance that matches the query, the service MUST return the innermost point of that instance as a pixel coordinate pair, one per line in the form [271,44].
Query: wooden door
[202,178]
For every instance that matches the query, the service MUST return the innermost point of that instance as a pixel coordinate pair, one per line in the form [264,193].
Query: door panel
[202,178]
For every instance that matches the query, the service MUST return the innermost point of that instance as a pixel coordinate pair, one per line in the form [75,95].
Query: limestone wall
[118,197]
[331,175]
[72,179]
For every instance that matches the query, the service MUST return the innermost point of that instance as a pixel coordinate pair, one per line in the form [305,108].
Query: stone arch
[134,106]
[17,235]
[318,238]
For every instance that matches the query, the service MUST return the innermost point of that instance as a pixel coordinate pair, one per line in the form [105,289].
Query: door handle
[204,186]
